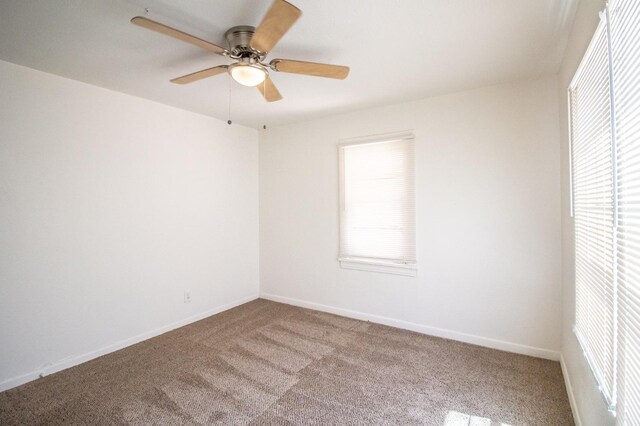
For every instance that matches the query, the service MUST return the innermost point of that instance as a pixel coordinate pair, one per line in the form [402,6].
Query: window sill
[379,266]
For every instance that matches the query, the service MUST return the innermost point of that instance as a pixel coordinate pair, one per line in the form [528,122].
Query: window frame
[616,22]
[370,264]
[607,391]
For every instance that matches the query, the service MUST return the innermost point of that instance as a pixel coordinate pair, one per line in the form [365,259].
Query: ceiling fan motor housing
[239,41]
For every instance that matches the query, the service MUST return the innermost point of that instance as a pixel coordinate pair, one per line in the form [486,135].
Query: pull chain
[229,110]
[264,107]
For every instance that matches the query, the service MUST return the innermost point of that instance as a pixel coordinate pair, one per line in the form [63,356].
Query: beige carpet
[268,363]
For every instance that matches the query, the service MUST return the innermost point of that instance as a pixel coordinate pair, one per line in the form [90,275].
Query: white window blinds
[625,52]
[605,137]
[593,210]
[377,219]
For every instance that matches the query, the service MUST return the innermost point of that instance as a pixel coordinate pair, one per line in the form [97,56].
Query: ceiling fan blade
[199,75]
[172,32]
[310,68]
[269,90]
[280,17]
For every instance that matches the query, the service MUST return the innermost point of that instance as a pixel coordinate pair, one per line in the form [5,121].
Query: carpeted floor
[266,363]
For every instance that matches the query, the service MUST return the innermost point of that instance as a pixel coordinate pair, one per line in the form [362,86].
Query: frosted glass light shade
[247,74]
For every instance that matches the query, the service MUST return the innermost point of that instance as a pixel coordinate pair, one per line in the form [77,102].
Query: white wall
[488,218]
[110,207]
[587,400]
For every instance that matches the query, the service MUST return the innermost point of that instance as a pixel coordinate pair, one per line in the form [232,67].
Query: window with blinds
[593,210]
[624,17]
[377,218]
[605,173]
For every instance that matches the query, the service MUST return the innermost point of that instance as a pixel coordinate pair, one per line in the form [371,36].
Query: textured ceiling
[398,50]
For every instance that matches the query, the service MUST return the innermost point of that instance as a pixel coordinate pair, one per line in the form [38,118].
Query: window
[625,59]
[593,210]
[377,213]
[605,172]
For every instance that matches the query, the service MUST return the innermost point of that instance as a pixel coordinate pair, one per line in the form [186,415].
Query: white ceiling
[398,50]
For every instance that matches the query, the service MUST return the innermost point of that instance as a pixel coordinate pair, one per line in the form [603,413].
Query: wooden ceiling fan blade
[310,68]
[199,75]
[180,35]
[280,17]
[269,90]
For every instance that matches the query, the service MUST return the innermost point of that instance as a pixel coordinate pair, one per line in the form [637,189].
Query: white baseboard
[72,361]
[572,398]
[420,328]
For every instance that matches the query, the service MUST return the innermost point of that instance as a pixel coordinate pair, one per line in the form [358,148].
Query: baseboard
[572,398]
[420,328]
[72,361]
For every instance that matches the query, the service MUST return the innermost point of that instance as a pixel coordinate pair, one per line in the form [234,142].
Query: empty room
[269,212]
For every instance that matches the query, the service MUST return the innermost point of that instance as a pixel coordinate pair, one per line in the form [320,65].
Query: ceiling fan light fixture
[248,74]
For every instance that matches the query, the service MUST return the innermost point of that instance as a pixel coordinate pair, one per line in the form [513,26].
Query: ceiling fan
[249,47]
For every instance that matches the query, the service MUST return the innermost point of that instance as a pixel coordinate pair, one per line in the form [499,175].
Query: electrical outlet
[187,296]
